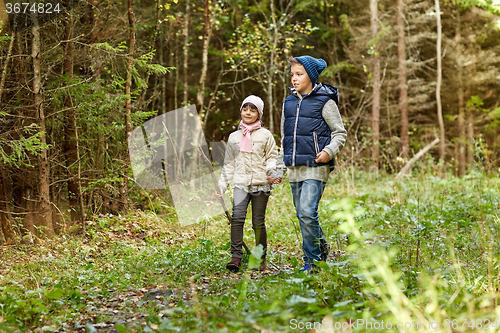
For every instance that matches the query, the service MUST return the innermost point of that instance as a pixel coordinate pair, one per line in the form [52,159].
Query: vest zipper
[295,131]
[316,146]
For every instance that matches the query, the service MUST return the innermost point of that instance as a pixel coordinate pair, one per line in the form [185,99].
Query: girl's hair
[293,61]
[251,105]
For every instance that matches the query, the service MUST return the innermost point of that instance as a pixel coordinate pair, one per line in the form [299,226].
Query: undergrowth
[420,251]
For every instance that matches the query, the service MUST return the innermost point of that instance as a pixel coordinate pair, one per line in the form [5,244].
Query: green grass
[422,249]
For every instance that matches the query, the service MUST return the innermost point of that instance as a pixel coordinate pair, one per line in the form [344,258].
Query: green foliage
[5,39]
[488,5]
[16,145]
[495,113]
[122,47]
[252,44]
[255,257]
[332,70]
[418,250]
[475,101]
[144,62]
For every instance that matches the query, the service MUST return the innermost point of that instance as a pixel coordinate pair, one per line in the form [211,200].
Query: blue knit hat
[313,67]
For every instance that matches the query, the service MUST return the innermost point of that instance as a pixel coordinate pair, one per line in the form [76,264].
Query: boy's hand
[322,157]
[277,181]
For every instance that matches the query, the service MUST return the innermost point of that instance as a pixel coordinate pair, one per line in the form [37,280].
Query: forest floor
[419,254]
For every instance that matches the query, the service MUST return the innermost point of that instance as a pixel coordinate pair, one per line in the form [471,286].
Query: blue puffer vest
[305,131]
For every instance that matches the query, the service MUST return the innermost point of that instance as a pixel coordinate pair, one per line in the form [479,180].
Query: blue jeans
[306,196]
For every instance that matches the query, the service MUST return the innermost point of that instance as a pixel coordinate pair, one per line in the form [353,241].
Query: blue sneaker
[308,268]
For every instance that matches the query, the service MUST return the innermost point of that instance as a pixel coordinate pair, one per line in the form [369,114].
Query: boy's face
[300,79]
[249,115]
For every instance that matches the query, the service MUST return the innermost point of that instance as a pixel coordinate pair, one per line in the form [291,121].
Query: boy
[312,133]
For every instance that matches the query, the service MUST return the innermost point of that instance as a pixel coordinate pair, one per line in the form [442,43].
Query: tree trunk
[470,124]
[470,137]
[161,50]
[181,134]
[69,129]
[460,142]
[31,218]
[6,176]
[128,105]
[6,226]
[5,223]
[94,25]
[270,78]
[206,43]
[176,84]
[403,87]
[6,64]
[170,91]
[79,177]
[56,213]
[376,86]
[163,93]
[25,192]
[210,102]
[186,54]
[92,12]
[44,209]
[439,79]
[415,158]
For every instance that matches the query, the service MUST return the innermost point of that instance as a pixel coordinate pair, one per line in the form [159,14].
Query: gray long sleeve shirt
[332,117]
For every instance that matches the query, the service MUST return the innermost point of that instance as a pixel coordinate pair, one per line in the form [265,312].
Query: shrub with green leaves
[416,251]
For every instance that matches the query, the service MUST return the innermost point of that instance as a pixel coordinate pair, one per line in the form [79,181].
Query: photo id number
[37,7]
[485,324]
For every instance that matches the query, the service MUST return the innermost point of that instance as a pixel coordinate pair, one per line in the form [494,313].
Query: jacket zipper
[316,146]
[251,163]
[295,131]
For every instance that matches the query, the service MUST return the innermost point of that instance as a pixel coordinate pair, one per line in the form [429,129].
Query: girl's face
[249,115]
[300,79]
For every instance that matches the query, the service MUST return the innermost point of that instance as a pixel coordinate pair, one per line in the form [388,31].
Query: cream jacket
[247,169]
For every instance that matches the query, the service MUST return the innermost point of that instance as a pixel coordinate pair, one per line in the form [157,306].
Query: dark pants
[241,200]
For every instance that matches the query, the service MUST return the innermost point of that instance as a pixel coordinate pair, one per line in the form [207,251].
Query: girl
[250,163]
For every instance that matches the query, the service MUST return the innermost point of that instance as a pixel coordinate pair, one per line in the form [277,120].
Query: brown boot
[234,264]
[263,266]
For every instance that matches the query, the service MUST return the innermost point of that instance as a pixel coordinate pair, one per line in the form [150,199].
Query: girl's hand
[322,157]
[270,179]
